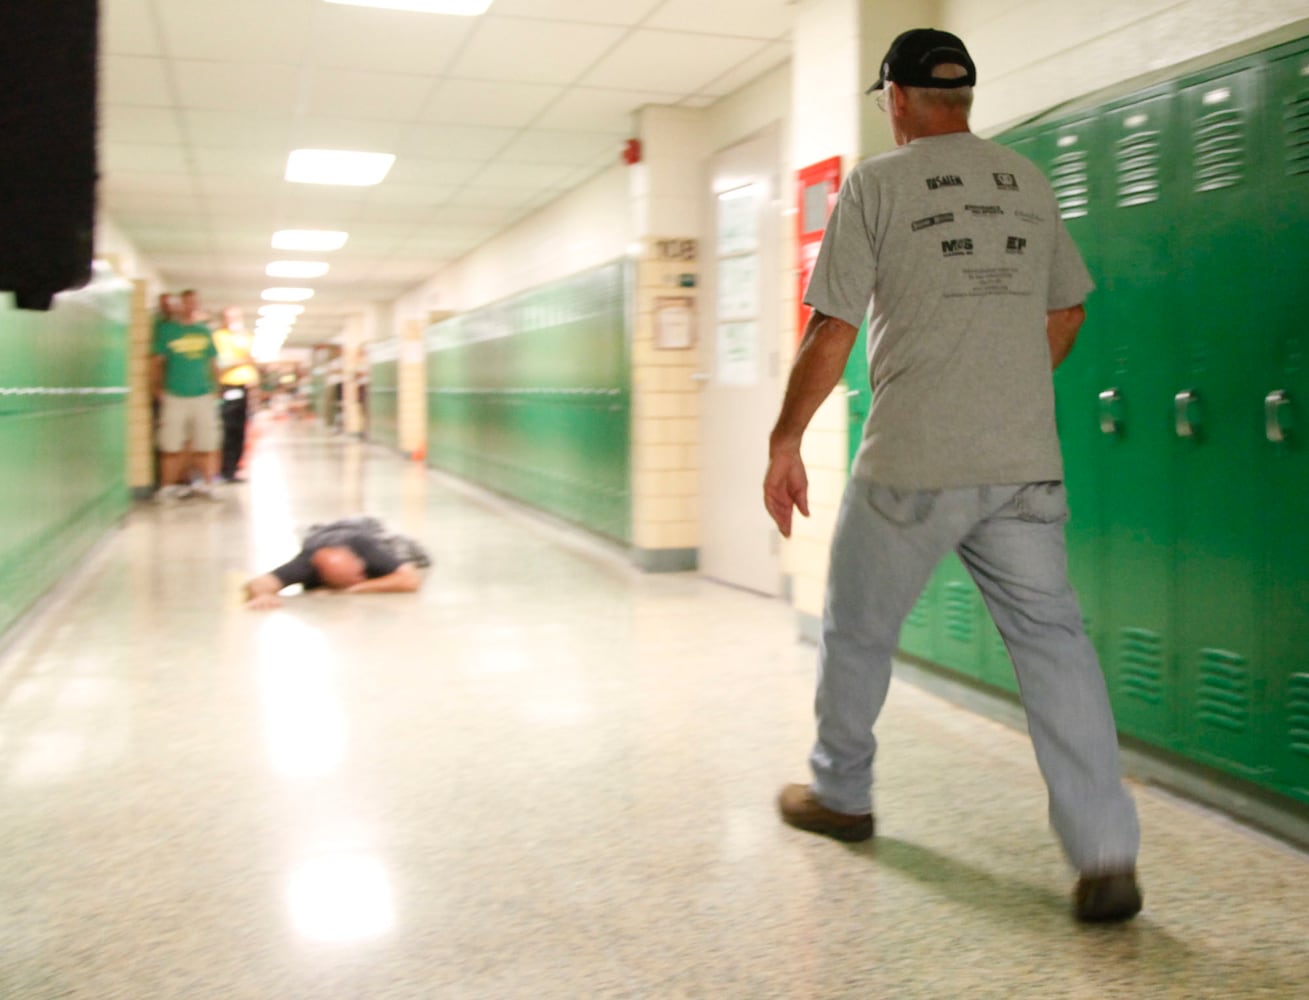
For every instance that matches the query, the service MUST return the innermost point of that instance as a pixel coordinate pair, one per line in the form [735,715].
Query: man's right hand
[264,602]
[786,487]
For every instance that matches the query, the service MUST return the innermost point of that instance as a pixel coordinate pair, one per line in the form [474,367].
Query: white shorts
[192,419]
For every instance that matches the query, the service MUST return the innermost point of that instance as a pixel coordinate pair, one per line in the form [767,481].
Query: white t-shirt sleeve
[846,270]
[1070,282]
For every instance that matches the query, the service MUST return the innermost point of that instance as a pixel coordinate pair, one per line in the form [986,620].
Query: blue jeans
[1011,539]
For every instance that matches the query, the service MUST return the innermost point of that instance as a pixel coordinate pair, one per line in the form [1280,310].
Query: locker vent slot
[1137,159]
[1219,150]
[1141,665]
[960,612]
[1297,715]
[921,613]
[1295,115]
[1224,695]
[998,651]
[1071,181]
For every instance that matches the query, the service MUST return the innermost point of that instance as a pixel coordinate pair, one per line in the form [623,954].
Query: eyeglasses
[880,100]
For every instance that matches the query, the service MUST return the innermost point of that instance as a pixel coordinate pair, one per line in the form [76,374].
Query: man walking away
[954,248]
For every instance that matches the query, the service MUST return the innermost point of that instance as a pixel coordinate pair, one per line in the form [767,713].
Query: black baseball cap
[915,54]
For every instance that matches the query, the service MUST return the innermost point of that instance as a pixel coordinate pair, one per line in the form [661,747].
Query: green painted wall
[63,435]
[384,402]
[531,397]
[1182,414]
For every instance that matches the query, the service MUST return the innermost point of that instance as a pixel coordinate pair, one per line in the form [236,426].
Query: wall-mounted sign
[674,322]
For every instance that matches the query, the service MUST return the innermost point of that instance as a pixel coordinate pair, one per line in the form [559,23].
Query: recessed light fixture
[338,166]
[463,8]
[280,311]
[287,294]
[296,269]
[309,239]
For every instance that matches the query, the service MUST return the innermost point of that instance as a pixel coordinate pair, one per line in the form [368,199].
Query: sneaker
[166,495]
[1106,898]
[206,491]
[801,809]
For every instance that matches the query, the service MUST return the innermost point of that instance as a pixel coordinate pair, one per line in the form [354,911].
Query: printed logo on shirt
[1029,217]
[1016,244]
[945,181]
[984,209]
[957,248]
[934,220]
[1006,182]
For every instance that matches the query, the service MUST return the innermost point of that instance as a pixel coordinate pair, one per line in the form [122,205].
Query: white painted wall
[584,228]
[1034,54]
[111,244]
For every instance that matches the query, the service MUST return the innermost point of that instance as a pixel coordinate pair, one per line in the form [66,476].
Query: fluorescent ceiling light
[283,309]
[287,294]
[309,239]
[464,8]
[337,166]
[296,269]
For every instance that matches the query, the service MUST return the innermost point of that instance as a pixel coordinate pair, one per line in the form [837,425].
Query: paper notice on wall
[738,287]
[738,353]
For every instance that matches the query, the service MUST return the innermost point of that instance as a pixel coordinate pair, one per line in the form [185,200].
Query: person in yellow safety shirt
[237,376]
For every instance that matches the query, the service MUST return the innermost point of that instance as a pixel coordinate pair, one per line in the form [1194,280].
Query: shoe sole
[852,834]
[1110,903]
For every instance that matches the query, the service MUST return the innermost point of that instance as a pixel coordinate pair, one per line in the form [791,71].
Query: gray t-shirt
[954,247]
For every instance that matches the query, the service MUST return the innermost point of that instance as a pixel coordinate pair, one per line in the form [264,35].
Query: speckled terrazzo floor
[543,776]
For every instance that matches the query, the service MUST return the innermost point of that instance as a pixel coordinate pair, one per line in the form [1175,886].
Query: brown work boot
[1107,897]
[801,809]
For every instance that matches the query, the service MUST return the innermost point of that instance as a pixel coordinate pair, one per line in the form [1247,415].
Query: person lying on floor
[355,555]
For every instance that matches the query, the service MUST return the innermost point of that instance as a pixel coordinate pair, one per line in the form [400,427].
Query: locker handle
[1111,415]
[1186,415]
[1277,415]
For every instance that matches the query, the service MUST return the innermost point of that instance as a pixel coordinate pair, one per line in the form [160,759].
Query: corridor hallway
[545,775]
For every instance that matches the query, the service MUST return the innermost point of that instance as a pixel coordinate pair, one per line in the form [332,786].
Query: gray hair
[953,99]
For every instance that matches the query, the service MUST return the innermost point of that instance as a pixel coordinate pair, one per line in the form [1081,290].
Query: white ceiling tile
[481,196]
[126,28]
[411,172]
[656,60]
[355,94]
[450,240]
[134,80]
[115,156]
[124,123]
[772,56]
[741,18]
[241,209]
[346,133]
[530,176]
[124,206]
[586,11]
[452,142]
[475,102]
[408,270]
[392,198]
[398,41]
[697,101]
[559,146]
[226,186]
[533,51]
[259,30]
[246,131]
[261,88]
[473,215]
[237,162]
[113,182]
[601,110]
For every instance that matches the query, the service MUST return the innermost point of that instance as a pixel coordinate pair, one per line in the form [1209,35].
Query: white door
[739,359]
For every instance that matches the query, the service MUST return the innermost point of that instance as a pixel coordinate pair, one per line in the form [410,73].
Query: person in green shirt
[184,378]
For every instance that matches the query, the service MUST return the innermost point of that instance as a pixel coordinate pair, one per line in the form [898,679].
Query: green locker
[1136,334]
[959,637]
[531,397]
[1217,420]
[1283,398]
